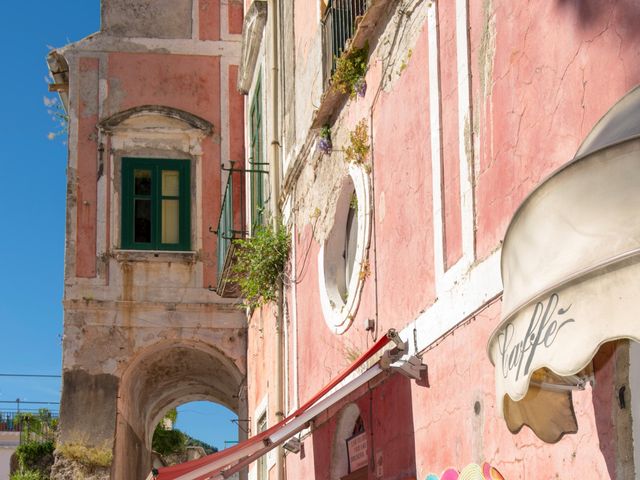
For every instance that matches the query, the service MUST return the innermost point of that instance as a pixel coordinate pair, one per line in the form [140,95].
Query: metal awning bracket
[398,359]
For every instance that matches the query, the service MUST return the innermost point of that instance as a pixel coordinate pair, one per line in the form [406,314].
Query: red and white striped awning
[223,464]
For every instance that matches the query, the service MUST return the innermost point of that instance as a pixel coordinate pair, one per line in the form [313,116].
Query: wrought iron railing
[38,426]
[231,224]
[228,227]
[339,25]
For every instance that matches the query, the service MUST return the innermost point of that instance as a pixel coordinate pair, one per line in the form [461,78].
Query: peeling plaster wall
[147,18]
[542,90]
[465,119]
[402,181]
[123,307]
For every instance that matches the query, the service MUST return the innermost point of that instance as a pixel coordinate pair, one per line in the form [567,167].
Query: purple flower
[360,87]
[325,145]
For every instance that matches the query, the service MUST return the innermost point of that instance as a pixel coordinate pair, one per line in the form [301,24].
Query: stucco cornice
[190,119]
[252,29]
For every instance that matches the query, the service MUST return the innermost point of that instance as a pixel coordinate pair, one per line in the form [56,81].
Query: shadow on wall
[612,408]
[623,15]
[386,416]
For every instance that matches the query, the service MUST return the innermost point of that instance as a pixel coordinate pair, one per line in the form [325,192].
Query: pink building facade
[153,113]
[471,110]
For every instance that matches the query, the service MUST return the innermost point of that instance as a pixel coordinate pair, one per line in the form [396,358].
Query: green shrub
[260,264]
[27,475]
[166,442]
[350,68]
[32,455]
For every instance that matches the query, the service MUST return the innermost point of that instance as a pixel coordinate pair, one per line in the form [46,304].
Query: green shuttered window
[257,180]
[156,211]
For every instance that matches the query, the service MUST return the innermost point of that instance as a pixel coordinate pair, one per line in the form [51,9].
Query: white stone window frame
[154,132]
[262,410]
[338,312]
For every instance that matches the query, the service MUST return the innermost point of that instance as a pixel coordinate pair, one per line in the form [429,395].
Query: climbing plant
[260,264]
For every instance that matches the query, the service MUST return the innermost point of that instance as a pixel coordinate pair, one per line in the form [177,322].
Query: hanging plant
[260,264]
[351,68]
[360,87]
[324,141]
[358,149]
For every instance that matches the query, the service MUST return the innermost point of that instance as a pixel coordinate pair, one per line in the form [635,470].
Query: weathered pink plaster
[187,82]
[235,16]
[87,152]
[547,89]
[210,209]
[209,19]
[450,133]
[541,75]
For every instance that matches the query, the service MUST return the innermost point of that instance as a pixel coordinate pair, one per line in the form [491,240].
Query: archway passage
[161,378]
[192,431]
[211,423]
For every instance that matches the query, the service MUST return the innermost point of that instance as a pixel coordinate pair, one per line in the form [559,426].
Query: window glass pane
[170,183]
[170,221]
[142,181]
[142,222]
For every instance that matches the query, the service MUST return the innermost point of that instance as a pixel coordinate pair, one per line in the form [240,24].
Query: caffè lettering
[544,325]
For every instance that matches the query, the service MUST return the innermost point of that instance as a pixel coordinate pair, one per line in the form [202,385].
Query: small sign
[357,451]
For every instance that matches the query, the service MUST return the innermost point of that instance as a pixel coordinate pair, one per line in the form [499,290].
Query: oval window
[342,259]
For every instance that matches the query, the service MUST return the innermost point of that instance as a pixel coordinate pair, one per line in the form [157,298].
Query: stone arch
[113,121]
[163,376]
[347,419]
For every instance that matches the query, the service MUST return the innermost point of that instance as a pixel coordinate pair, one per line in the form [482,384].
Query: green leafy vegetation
[260,264]
[27,475]
[35,453]
[167,442]
[358,149]
[39,426]
[350,70]
[31,453]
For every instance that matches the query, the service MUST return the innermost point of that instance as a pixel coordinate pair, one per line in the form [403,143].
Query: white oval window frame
[339,313]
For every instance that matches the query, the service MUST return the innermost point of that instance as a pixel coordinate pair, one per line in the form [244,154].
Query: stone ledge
[155,256]
[332,100]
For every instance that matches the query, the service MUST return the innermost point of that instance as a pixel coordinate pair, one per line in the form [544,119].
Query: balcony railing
[347,24]
[231,226]
[339,25]
[39,426]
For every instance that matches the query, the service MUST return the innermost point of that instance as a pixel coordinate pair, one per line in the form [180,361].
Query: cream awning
[571,275]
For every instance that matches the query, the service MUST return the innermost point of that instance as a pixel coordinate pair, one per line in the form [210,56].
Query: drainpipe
[274,178]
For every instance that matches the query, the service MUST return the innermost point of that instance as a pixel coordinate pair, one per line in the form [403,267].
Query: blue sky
[32,212]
